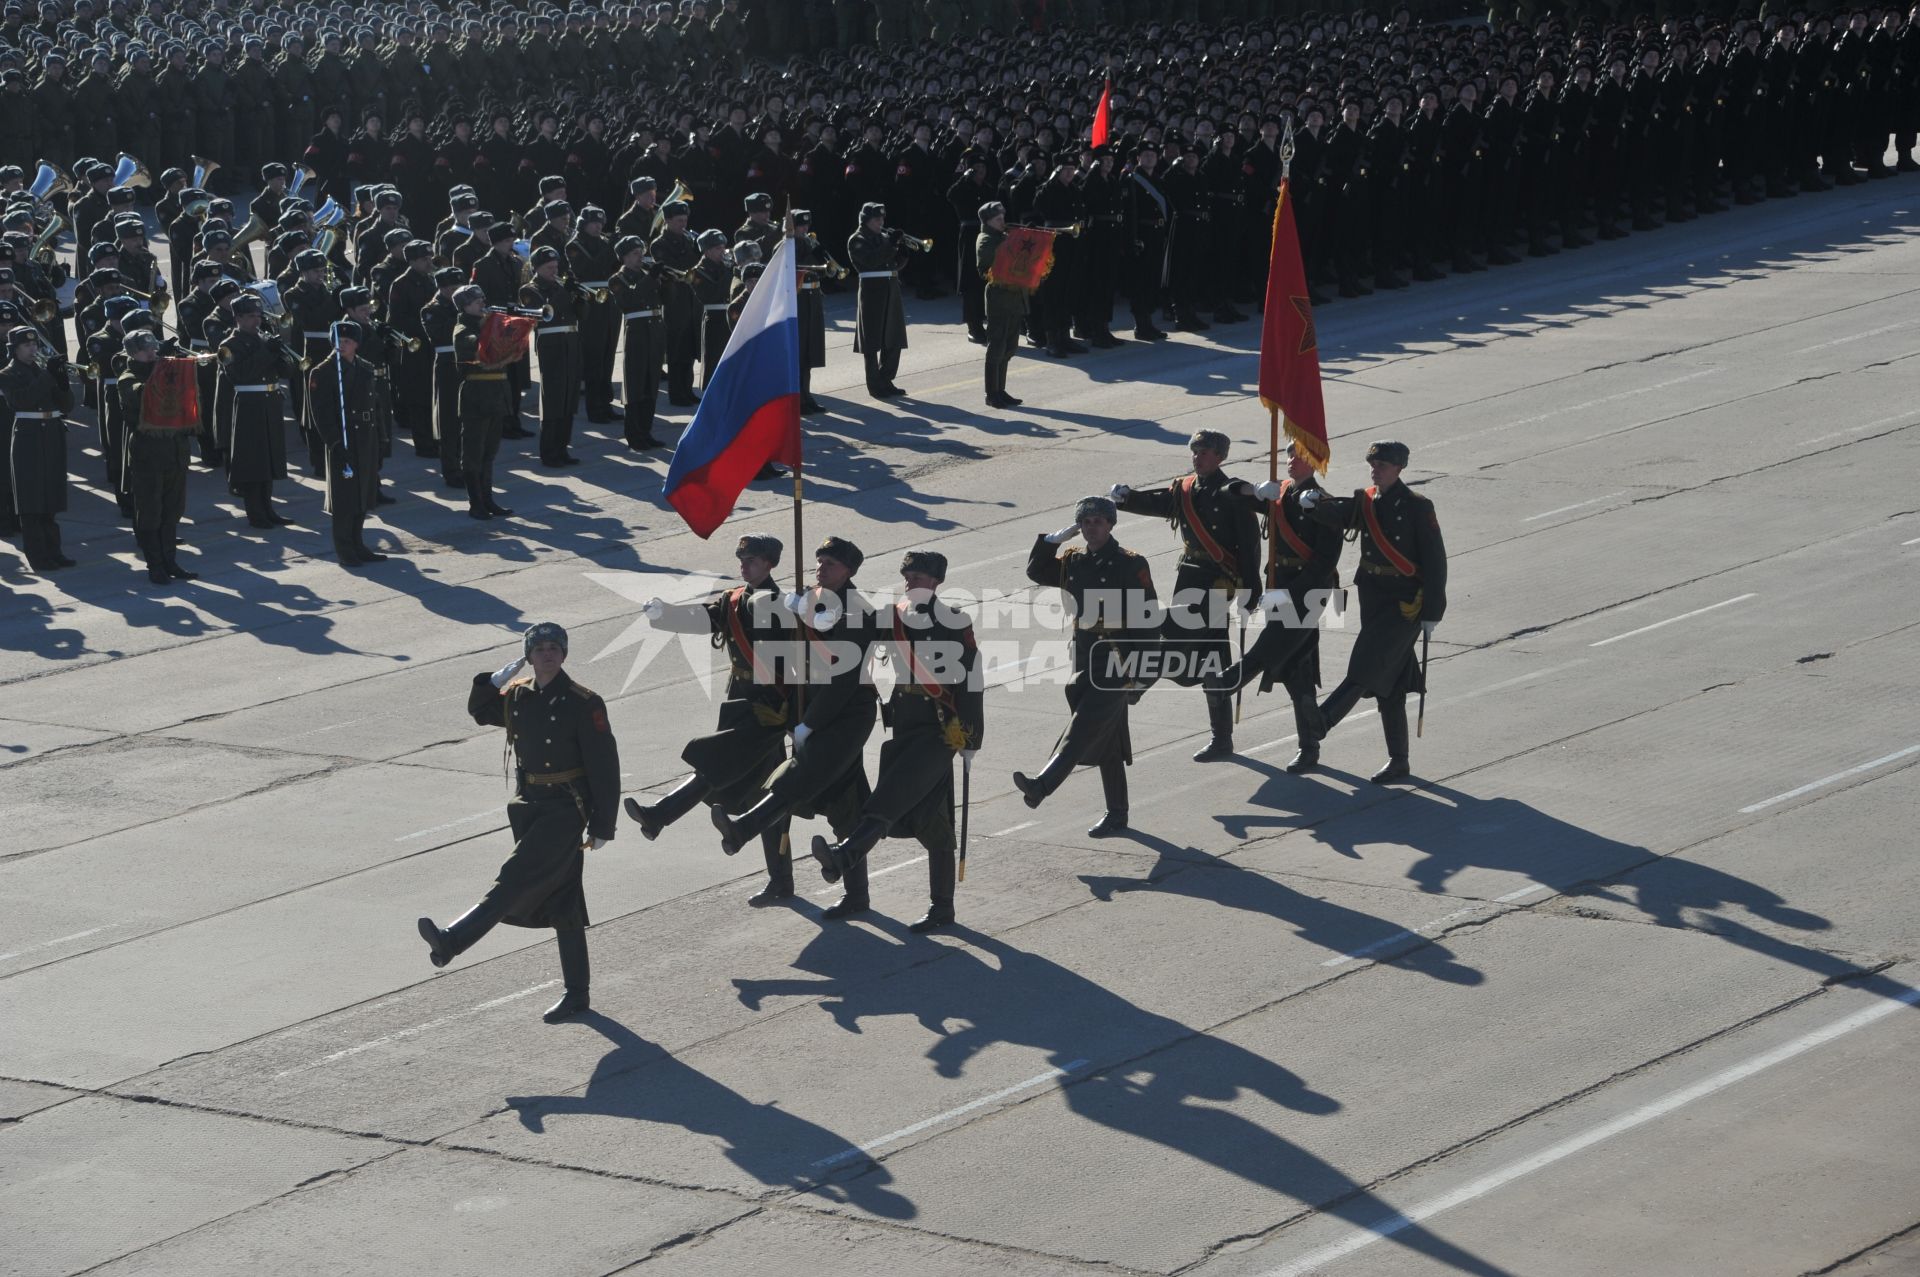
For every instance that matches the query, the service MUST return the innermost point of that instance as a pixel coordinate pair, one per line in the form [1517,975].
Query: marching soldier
[677,254]
[155,473]
[712,287]
[1005,305]
[1403,595]
[485,400]
[566,791]
[1110,591]
[936,711]
[254,361]
[1305,559]
[558,339]
[636,299]
[590,264]
[880,317]
[1219,557]
[733,764]
[340,412]
[826,775]
[35,398]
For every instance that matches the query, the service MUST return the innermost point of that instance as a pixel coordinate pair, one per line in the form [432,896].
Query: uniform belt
[194,343]
[558,328]
[38,416]
[1385,569]
[640,314]
[596,283]
[876,274]
[554,778]
[814,287]
[319,336]
[262,389]
[711,306]
[486,376]
[443,350]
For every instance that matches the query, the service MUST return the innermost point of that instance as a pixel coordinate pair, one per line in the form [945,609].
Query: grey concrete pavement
[1624,984]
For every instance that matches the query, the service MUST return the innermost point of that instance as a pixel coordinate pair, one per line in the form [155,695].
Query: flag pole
[799,535]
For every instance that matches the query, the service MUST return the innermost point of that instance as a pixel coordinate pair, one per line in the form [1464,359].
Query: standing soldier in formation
[712,288]
[35,398]
[500,274]
[437,318]
[677,254]
[1005,305]
[812,262]
[636,300]
[733,763]
[1403,595]
[405,299]
[1303,566]
[485,404]
[1219,559]
[1143,241]
[313,310]
[760,226]
[936,710]
[880,317]
[558,340]
[340,413]
[826,775]
[590,264]
[156,468]
[565,803]
[253,363]
[1110,593]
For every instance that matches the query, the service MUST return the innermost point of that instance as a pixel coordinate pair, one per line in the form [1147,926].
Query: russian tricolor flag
[749,413]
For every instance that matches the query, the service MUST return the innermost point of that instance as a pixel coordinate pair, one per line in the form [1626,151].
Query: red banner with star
[1024,259]
[504,338]
[170,399]
[1289,349]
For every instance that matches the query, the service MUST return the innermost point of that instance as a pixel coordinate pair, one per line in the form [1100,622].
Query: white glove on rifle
[504,675]
[1310,498]
[1119,492]
[1267,490]
[1271,601]
[1428,627]
[966,755]
[1067,533]
[800,734]
[795,602]
[655,608]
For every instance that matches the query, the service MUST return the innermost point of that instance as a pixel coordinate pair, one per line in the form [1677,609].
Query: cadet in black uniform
[1304,558]
[312,310]
[880,317]
[558,342]
[712,287]
[500,273]
[1219,560]
[485,401]
[590,264]
[155,473]
[826,775]
[636,300]
[254,362]
[676,253]
[814,263]
[1003,305]
[936,711]
[340,412]
[35,398]
[732,764]
[565,803]
[1110,591]
[437,319]
[760,226]
[1403,592]
[405,298]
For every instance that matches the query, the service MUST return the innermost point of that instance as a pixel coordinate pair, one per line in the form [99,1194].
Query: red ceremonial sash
[1388,550]
[741,639]
[940,692]
[1213,548]
[1300,548]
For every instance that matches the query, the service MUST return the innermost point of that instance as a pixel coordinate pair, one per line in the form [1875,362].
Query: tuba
[49,180]
[129,172]
[203,168]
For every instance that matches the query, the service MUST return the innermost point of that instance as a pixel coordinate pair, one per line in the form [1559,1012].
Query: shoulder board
[584,693]
[1132,554]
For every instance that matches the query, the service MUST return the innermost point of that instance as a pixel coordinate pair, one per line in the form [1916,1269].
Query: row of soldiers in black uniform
[800,703]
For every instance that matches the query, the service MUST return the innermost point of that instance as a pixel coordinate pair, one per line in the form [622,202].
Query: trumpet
[44,310]
[596,295]
[544,314]
[831,268]
[916,245]
[413,345]
[1071,232]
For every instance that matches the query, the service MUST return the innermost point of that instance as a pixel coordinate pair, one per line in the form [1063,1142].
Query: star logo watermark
[651,640]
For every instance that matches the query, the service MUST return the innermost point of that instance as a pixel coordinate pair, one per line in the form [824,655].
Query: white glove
[1067,533]
[655,608]
[1119,492]
[596,844]
[1310,498]
[1429,626]
[794,601]
[966,755]
[1267,489]
[504,675]
[800,734]
[1272,599]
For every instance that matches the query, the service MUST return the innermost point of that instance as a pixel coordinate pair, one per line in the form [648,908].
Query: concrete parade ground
[1624,985]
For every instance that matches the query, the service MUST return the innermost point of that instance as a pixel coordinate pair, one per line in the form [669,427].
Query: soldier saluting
[733,763]
[1220,553]
[1111,592]
[936,710]
[566,795]
[1403,592]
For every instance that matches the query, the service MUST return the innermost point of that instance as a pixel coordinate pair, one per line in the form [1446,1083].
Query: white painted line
[1548,514]
[1647,629]
[1356,954]
[49,944]
[835,888]
[1400,1221]
[1905,544]
[1521,894]
[1013,829]
[847,1154]
[1842,341]
[1537,418]
[416,1030]
[1824,781]
[1854,430]
[451,824]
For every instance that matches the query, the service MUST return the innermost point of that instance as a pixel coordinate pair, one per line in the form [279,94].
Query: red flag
[504,338]
[1024,259]
[171,396]
[1103,116]
[1289,351]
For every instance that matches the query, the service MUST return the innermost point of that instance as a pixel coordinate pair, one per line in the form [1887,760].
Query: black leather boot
[1306,717]
[1219,746]
[446,945]
[737,833]
[836,858]
[1393,722]
[1037,788]
[1329,712]
[156,563]
[574,970]
[672,805]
